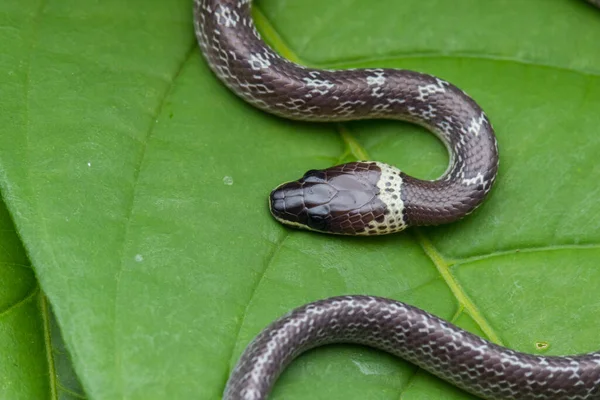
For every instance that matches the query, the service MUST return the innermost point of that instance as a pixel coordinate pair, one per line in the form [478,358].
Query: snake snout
[286,204]
[303,203]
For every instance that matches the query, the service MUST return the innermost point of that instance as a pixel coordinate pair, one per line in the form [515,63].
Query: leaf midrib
[33,41]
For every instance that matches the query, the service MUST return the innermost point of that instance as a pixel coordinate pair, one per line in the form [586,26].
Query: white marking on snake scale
[475,180]
[381,108]
[260,88]
[476,124]
[259,61]
[251,393]
[390,190]
[204,6]
[223,56]
[139,258]
[293,104]
[225,16]
[427,90]
[445,127]
[348,107]
[297,106]
[318,85]
[429,113]
[378,80]
[396,101]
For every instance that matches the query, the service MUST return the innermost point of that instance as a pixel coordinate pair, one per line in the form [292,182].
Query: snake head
[341,200]
[303,203]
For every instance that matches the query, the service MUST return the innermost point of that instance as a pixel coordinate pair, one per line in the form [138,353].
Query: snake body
[373,198]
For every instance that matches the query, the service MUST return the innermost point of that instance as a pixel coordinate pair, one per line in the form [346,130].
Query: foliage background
[135,193]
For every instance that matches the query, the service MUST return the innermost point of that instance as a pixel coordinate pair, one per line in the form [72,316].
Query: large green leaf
[138,185]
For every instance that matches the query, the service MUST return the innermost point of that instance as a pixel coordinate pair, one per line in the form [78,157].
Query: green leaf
[23,356]
[33,362]
[138,184]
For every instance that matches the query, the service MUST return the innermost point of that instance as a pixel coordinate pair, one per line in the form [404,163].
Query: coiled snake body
[373,198]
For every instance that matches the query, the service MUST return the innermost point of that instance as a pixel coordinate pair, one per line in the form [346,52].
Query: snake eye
[316,222]
[314,175]
[318,217]
[310,172]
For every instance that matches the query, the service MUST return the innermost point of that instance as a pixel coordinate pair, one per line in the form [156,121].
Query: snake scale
[373,198]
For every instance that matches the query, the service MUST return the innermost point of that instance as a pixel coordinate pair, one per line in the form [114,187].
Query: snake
[374,198]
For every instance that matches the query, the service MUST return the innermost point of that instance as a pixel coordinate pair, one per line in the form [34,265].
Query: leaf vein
[19,303]
[16,265]
[71,392]
[456,289]
[45,312]
[533,249]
